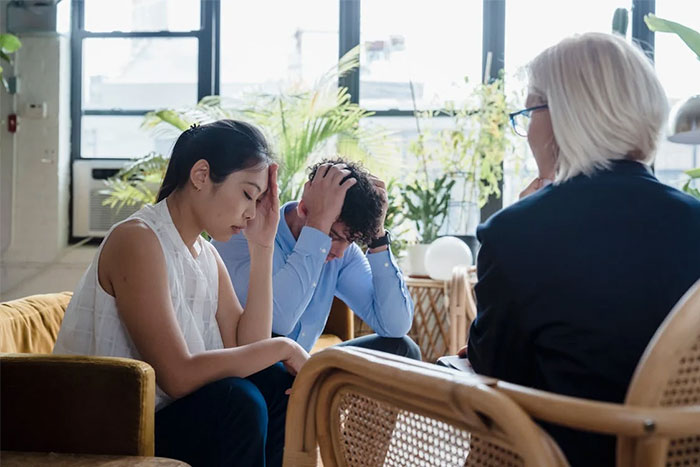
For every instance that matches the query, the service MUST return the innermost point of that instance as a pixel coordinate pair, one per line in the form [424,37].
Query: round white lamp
[444,254]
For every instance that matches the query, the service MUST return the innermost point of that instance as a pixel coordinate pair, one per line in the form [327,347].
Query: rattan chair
[462,308]
[659,423]
[367,408]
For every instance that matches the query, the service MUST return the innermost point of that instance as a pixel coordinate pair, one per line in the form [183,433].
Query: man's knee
[409,348]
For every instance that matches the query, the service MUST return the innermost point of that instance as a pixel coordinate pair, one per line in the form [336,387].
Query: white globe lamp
[444,254]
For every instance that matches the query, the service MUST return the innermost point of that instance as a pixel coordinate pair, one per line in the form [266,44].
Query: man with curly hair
[317,257]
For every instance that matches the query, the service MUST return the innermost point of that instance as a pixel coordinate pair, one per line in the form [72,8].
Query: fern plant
[300,124]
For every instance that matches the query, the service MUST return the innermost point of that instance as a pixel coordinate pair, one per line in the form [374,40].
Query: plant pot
[416,259]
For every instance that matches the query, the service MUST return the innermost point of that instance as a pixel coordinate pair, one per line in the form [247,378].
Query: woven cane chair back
[370,409]
[668,375]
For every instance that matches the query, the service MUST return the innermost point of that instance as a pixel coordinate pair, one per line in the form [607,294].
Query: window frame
[209,71]
[208,61]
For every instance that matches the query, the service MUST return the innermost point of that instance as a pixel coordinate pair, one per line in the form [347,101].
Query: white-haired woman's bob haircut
[604,100]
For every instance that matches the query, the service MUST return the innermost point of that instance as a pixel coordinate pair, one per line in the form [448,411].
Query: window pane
[434,44]
[401,164]
[139,73]
[529,32]
[270,44]
[679,72]
[142,15]
[120,137]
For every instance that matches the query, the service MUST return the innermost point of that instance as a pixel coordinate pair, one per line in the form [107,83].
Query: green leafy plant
[299,123]
[692,40]
[688,187]
[474,148]
[690,36]
[9,44]
[426,205]
[469,153]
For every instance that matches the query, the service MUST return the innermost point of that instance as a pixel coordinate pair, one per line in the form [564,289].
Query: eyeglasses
[521,119]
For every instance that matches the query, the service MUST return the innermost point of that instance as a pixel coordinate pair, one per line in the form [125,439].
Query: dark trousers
[233,421]
[402,346]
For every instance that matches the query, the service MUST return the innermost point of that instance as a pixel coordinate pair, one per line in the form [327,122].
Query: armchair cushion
[89,405]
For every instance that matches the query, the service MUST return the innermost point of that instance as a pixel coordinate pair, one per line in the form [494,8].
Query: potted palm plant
[299,123]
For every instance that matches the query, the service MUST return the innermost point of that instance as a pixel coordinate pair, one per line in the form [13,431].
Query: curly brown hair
[363,203]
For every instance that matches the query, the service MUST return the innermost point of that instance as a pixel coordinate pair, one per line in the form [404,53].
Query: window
[678,70]
[134,56]
[270,45]
[434,45]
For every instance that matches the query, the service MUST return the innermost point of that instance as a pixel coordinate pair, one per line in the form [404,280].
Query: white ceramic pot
[416,259]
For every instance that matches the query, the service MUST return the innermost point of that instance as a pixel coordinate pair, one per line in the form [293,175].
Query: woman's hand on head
[261,230]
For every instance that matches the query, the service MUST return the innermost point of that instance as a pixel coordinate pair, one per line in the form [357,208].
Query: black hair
[227,145]
[363,203]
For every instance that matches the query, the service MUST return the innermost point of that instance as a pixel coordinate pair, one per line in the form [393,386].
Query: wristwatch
[381,241]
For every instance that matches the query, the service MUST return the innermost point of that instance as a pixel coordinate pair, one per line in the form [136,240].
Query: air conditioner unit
[90,217]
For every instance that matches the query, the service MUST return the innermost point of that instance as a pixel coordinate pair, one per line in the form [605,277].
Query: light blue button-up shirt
[304,283]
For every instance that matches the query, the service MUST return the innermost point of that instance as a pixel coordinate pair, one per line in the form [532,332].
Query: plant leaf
[689,36]
[9,43]
[693,173]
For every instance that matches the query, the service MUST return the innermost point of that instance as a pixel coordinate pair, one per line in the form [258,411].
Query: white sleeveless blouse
[92,325]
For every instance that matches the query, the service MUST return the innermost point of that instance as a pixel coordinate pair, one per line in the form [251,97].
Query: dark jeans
[233,421]
[402,346]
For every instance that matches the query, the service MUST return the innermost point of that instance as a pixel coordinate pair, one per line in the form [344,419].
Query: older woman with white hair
[575,278]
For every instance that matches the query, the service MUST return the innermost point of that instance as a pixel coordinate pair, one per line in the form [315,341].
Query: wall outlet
[36,110]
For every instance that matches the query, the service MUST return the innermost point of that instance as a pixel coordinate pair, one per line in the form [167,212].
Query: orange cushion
[31,324]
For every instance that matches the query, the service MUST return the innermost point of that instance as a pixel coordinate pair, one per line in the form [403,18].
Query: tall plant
[299,123]
[469,154]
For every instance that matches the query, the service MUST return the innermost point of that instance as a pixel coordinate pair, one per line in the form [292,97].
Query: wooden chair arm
[603,417]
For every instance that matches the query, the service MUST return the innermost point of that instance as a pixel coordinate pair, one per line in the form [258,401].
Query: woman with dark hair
[156,291]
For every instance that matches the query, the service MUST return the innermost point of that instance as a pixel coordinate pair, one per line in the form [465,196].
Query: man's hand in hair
[380,187]
[324,196]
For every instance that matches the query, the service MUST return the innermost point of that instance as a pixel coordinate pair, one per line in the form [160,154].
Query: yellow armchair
[65,410]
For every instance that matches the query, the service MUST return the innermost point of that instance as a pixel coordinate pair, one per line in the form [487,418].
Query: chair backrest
[369,408]
[31,324]
[340,321]
[668,375]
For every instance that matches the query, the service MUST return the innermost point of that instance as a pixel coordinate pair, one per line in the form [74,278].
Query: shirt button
[313,285]
[323,250]
[303,334]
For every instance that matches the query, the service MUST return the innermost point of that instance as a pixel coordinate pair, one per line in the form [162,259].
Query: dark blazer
[573,282]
